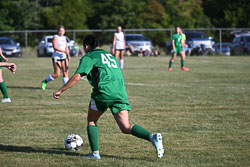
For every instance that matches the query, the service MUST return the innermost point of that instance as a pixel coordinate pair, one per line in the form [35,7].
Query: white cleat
[92,156]
[156,140]
[6,100]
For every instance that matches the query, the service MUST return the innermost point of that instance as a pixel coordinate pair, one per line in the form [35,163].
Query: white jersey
[119,43]
[61,44]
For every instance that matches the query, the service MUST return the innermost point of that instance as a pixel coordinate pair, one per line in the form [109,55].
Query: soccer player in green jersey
[105,76]
[3,87]
[178,48]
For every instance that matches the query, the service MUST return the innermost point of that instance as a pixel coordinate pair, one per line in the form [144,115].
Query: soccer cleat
[43,85]
[169,69]
[184,69]
[6,100]
[156,140]
[92,156]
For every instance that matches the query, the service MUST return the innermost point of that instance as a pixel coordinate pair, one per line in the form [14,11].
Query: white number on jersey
[109,60]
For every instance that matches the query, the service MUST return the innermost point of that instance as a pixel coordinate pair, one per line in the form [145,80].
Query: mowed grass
[203,114]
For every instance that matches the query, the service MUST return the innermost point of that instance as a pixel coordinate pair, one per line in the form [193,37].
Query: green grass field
[203,114]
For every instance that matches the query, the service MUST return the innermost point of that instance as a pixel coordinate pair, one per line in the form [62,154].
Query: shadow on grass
[26,149]
[23,87]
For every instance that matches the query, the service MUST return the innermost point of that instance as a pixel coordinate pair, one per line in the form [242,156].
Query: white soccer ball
[73,142]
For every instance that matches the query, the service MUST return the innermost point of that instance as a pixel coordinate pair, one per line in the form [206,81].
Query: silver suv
[45,47]
[138,41]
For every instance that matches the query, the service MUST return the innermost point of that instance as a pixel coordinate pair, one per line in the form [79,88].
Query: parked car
[241,44]
[223,48]
[45,47]
[198,42]
[10,47]
[138,42]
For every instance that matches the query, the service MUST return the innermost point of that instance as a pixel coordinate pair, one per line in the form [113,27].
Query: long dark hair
[92,41]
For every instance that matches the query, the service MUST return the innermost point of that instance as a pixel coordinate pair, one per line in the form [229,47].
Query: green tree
[72,14]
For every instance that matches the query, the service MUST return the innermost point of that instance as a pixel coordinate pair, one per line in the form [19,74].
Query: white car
[138,41]
[45,47]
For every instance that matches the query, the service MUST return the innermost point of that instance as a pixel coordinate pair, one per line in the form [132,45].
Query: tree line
[107,14]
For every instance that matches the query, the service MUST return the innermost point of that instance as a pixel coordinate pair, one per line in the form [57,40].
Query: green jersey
[177,39]
[104,74]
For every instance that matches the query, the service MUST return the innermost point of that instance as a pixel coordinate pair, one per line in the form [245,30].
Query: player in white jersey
[60,58]
[119,45]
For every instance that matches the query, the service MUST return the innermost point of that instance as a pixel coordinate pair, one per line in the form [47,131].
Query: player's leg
[117,52]
[122,119]
[92,129]
[121,59]
[65,70]
[52,77]
[171,61]
[183,56]
[4,90]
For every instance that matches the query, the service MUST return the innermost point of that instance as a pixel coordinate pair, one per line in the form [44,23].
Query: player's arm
[10,66]
[113,48]
[3,57]
[173,44]
[73,80]
[67,51]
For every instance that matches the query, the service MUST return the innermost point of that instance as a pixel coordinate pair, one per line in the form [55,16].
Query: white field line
[184,86]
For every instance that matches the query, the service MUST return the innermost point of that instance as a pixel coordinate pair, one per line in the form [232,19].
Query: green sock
[170,64]
[4,90]
[93,137]
[140,132]
[182,63]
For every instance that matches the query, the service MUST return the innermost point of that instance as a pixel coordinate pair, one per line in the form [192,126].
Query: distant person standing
[177,49]
[119,45]
[3,87]
[60,58]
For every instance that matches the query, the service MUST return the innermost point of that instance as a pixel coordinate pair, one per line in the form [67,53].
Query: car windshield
[190,36]
[248,39]
[6,41]
[135,38]
[49,40]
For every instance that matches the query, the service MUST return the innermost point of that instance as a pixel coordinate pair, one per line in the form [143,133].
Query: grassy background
[203,114]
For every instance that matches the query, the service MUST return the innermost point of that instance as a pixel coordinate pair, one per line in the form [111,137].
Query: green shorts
[1,60]
[177,50]
[115,107]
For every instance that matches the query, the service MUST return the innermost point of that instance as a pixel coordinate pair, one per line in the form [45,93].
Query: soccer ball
[73,142]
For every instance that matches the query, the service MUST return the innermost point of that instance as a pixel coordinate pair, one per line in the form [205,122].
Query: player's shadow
[23,87]
[27,149]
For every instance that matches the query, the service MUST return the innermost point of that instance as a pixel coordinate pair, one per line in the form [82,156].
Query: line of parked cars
[198,43]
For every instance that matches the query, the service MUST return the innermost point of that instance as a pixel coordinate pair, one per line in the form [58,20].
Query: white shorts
[58,56]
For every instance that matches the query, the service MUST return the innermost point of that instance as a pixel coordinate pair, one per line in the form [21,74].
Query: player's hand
[113,51]
[12,68]
[57,94]
[69,58]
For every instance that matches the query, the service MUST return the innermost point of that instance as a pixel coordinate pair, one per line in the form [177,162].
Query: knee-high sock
[140,132]
[182,63]
[4,90]
[121,63]
[93,137]
[49,78]
[170,64]
[65,80]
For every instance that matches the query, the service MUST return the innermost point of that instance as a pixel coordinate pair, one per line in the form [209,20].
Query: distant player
[104,74]
[119,45]
[177,49]
[60,58]
[12,68]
